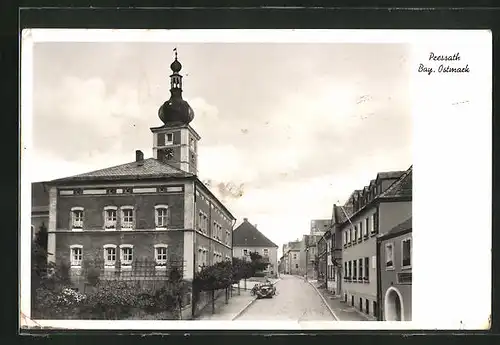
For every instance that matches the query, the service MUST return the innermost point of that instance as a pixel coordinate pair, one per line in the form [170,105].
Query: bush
[112,300]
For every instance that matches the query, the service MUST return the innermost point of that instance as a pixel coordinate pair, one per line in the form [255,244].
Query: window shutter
[374,262]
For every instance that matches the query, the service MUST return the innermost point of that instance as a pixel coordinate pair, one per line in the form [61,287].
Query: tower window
[169,139]
[191,143]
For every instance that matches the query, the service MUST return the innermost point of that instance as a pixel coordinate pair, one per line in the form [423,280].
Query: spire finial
[175,52]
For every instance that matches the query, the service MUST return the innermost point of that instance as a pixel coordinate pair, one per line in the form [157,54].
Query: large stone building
[247,239]
[376,209]
[154,208]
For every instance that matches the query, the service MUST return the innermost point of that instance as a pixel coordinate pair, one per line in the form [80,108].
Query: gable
[247,235]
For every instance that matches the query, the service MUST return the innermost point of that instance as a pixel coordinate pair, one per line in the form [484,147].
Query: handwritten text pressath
[443,64]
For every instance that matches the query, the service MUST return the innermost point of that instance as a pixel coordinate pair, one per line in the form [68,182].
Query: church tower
[176,142]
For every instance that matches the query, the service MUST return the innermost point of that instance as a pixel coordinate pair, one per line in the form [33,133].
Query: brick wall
[144,209]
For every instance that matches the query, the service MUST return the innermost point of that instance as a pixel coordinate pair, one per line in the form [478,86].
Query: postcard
[255,179]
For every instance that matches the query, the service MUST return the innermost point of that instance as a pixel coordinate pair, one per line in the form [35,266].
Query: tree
[241,270]
[215,277]
[41,237]
[258,263]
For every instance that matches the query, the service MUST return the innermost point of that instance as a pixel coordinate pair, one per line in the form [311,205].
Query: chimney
[139,156]
[245,219]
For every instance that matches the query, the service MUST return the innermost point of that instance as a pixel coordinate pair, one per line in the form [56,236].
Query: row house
[348,263]
[154,208]
[292,258]
[372,211]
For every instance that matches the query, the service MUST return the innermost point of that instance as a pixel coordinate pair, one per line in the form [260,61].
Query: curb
[243,309]
[325,302]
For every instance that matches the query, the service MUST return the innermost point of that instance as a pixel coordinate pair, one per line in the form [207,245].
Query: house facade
[152,209]
[395,274]
[292,258]
[247,239]
[308,254]
[374,210]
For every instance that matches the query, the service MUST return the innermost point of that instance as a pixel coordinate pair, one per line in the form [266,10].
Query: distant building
[308,254]
[292,258]
[247,239]
[395,276]
[319,226]
[377,208]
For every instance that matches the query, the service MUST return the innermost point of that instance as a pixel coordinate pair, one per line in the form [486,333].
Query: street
[296,300]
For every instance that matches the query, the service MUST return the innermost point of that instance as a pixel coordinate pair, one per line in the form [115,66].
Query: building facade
[292,257]
[319,226]
[153,209]
[308,254]
[395,277]
[369,212]
[247,239]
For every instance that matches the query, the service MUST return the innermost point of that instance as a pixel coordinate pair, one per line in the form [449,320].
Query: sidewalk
[228,311]
[343,311]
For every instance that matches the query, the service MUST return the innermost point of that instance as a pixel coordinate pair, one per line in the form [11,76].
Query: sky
[289,129]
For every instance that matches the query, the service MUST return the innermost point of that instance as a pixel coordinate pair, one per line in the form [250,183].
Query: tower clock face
[169,154]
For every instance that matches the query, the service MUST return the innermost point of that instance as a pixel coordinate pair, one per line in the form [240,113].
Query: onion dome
[176,111]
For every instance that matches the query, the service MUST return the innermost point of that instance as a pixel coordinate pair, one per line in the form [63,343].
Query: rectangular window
[389,255]
[348,232]
[365,229]
[76,256]
[169,139]
[344,234]
[245,252]
[345,269]
[360,230]
[374,262]
[200,221]
[161,217]
[372,223]
[127,255]
[109,256]
[406,253]
[161,255]
[127,218]
[110,219]
[296,265]
[294,256]
[354,269]
[355,233]
[77,219]
[367,269]
[266,252]
[360,271]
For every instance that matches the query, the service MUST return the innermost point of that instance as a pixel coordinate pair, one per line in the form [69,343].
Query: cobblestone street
[296,300]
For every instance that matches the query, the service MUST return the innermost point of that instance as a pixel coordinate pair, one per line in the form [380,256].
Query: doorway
[393,305]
